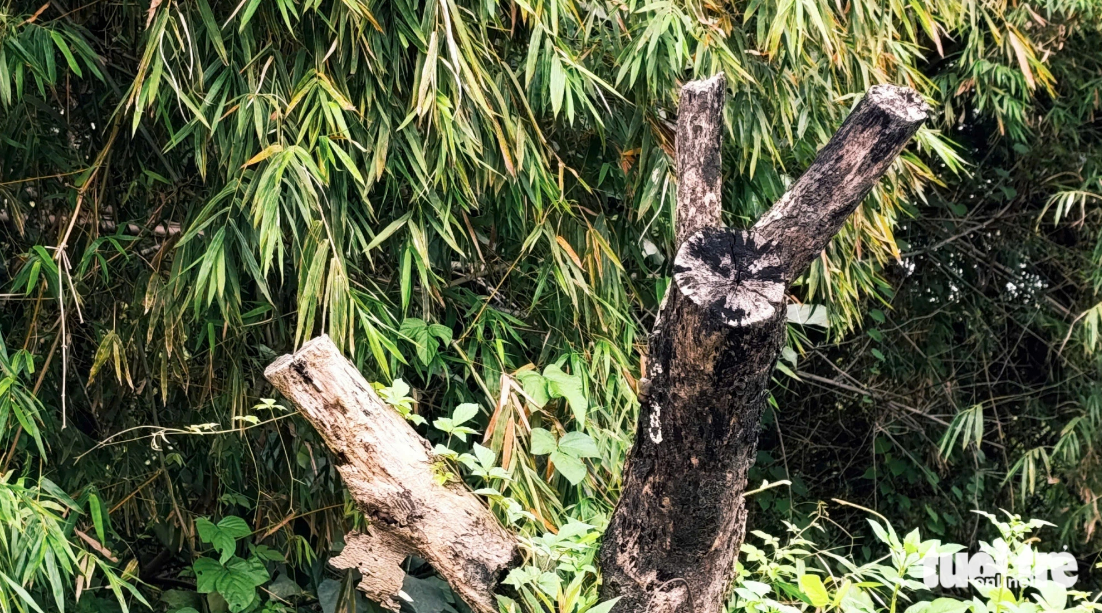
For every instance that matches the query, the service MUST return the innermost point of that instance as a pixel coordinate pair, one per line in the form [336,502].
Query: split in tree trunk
[390,472]
[672,542]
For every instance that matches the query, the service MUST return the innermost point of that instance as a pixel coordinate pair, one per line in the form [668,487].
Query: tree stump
[672,542]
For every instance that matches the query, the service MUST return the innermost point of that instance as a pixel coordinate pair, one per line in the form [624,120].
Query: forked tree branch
[672,542]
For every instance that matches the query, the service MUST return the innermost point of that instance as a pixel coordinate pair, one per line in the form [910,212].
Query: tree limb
[804,220]
[392,475]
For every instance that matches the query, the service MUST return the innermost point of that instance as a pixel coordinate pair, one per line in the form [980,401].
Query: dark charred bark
[805,219]
[673,539]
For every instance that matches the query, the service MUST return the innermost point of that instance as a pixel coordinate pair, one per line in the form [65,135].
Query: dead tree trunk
[673,539]
[391,473]
[675,534]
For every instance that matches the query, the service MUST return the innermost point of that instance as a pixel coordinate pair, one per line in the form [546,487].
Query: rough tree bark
[390,472]
[673,539]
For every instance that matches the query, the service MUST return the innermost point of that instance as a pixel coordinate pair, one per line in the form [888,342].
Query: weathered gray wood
[672,542]
[389,471]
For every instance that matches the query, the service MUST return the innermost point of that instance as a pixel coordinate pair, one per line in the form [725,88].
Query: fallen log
[390,472]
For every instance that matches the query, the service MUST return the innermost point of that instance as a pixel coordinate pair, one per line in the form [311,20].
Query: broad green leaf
[223,536]
[543,442]
[570,387]
[813,586]
[239,582]
[486,457]
[578,445]
[464,413]
[535,386]
[568,466]
[207,573]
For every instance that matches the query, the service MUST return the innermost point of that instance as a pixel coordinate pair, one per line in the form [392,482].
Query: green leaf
[486,457]
[558,85]
[570,387]
[22,593]
[550,584]
[1052,596]
[430,595]
[603,607]
[948,605]
[348,163]
[417,331]
[207,573]
[535,386]
[64,49]
[239,582]
[573,529]
[578,445]
[464,413]
[248,14]
[223,536]
[813,586]
[441,332]
[543,442]
[213,31]
[444,424]
[568,466]
[99,520]
[393,227]
[234,526]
